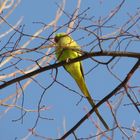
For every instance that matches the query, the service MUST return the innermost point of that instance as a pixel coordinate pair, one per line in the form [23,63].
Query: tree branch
[56,65]
[122,84]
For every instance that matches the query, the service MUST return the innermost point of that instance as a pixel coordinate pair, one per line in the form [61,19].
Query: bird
[65,49]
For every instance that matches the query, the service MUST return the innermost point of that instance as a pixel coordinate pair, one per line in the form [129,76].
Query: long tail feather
[83,88]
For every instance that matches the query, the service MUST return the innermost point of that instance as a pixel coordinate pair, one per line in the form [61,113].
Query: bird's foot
[67,60]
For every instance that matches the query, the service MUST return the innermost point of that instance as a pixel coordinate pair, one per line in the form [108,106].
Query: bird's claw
[68,60]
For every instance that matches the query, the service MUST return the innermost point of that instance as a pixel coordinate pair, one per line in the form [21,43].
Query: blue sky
[63,111]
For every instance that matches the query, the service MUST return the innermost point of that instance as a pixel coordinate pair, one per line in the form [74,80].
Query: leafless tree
[112,52]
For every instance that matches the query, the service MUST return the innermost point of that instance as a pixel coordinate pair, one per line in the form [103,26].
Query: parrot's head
[58,36]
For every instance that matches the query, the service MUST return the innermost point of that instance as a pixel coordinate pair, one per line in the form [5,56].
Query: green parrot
[66,48]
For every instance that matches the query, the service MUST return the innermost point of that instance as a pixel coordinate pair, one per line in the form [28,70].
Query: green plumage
[66,49]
